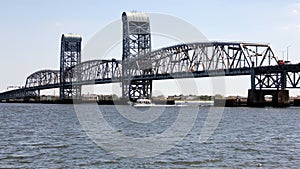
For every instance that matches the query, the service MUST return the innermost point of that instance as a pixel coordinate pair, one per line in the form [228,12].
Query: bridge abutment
[257,98]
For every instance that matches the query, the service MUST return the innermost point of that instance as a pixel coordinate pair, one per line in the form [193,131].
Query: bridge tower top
[136,34]
[71,38]
[137,17]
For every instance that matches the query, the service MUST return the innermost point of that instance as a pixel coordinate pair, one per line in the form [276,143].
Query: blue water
[51,136]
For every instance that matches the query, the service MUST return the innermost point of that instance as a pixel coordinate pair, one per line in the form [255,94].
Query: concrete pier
[257,98]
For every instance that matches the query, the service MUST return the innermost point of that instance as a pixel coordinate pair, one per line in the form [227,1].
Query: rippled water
[50,136]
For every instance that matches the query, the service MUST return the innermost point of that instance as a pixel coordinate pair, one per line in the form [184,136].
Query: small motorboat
[142,103]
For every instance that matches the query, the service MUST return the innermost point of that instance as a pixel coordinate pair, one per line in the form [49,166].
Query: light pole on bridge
[287,52]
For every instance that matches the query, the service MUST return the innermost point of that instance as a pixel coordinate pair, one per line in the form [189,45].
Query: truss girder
[19,94]
[98,70]
[277,77]
[206,56]
[42,78]
[293,80]
[278,80]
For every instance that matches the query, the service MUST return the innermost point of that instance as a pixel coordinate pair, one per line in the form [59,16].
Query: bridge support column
[136,43]
[256,98]
[140,89]
[69,58]
[31,95]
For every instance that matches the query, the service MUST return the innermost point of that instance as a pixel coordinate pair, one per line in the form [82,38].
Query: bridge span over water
[140,65]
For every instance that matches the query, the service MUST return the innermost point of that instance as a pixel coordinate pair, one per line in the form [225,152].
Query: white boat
[142,103]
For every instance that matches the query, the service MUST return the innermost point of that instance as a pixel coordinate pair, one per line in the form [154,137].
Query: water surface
[50,136]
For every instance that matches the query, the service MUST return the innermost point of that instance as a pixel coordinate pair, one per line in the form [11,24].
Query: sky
[31,31]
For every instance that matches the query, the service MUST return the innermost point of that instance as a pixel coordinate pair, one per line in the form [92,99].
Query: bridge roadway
[290,69]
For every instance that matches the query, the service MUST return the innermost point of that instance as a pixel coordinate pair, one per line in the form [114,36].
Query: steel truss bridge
[140,65]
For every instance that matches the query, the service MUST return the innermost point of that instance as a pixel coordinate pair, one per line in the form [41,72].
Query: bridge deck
[290,68]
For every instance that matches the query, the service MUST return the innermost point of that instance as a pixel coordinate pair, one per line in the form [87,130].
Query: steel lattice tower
[70,56]
[136,42]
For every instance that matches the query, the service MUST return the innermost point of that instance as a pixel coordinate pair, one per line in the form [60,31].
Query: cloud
[295,12]
[59,24]
[287,27]
[297,4]
[290,27]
